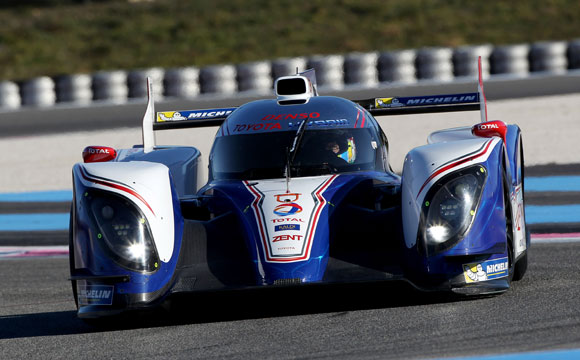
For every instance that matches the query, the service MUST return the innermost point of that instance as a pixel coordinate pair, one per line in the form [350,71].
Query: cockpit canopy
[254,142]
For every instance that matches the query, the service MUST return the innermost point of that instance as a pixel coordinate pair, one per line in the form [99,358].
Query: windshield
[264,155]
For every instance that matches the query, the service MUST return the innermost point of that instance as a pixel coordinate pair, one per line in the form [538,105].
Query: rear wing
[295,91]
[166,120]
[430,104]
[421,104]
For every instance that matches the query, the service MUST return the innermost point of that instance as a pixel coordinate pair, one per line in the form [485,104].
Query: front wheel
[522,264]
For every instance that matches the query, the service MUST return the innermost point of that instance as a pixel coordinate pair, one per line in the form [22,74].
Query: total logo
[487,126]
[287,206]
[92,150]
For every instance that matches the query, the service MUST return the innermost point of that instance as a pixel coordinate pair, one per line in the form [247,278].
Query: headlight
[449,208]
[121,230]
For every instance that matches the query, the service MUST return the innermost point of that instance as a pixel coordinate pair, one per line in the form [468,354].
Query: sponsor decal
[287,222]
[256,127]
[193,114]
[279,220]
[170,116]
[93,150]
[421,100]
[387,103]
[487,270]
[320,123]
[287,227]
[286,237]
[95,294]
[287,209]
[312,115]
[487,126]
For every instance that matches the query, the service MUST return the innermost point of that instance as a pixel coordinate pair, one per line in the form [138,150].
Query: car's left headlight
[449,208]
[122,230]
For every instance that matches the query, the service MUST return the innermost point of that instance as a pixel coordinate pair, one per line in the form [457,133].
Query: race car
[299,191]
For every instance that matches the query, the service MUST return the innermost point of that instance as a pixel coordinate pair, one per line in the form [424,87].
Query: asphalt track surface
[38,318]
[540,312]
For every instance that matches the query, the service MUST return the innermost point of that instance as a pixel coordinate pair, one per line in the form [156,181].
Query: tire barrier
[218,79]
[182,82]
[397,66]
[288,66]
[137,82]
[255,76]
[573,54]
[332,71]
[38,92]
[435,64]
[465,60]
[74,88]
[510,59]
[361,69]
[329,70]
[110,85]
[549,56]
[9,95]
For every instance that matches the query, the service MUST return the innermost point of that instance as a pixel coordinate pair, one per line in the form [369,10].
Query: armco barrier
[334,72]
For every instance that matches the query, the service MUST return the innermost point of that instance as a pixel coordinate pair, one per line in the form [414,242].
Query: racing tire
[71,259]
[522,264]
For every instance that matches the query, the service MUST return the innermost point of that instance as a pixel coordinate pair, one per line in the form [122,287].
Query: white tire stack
[76,88]
[549,56]
[510,59]
[288,66]
[182,82]
[255,76]
[137,82]
[9,95]
[465,59]
[38,92]
[574,54]
[218,79]
[110,86]
[329,71]
[435,64]
[361,69]
[397,66]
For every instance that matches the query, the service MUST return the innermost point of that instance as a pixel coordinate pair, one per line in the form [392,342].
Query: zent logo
[287,237]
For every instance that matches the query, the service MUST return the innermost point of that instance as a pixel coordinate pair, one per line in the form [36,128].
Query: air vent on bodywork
[294,281]
[296,89]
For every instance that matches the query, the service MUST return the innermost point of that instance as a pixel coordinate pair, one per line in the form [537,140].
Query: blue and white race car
[299,191]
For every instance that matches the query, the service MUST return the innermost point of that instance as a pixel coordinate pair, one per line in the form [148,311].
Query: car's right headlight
[121,230]
[449,208]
